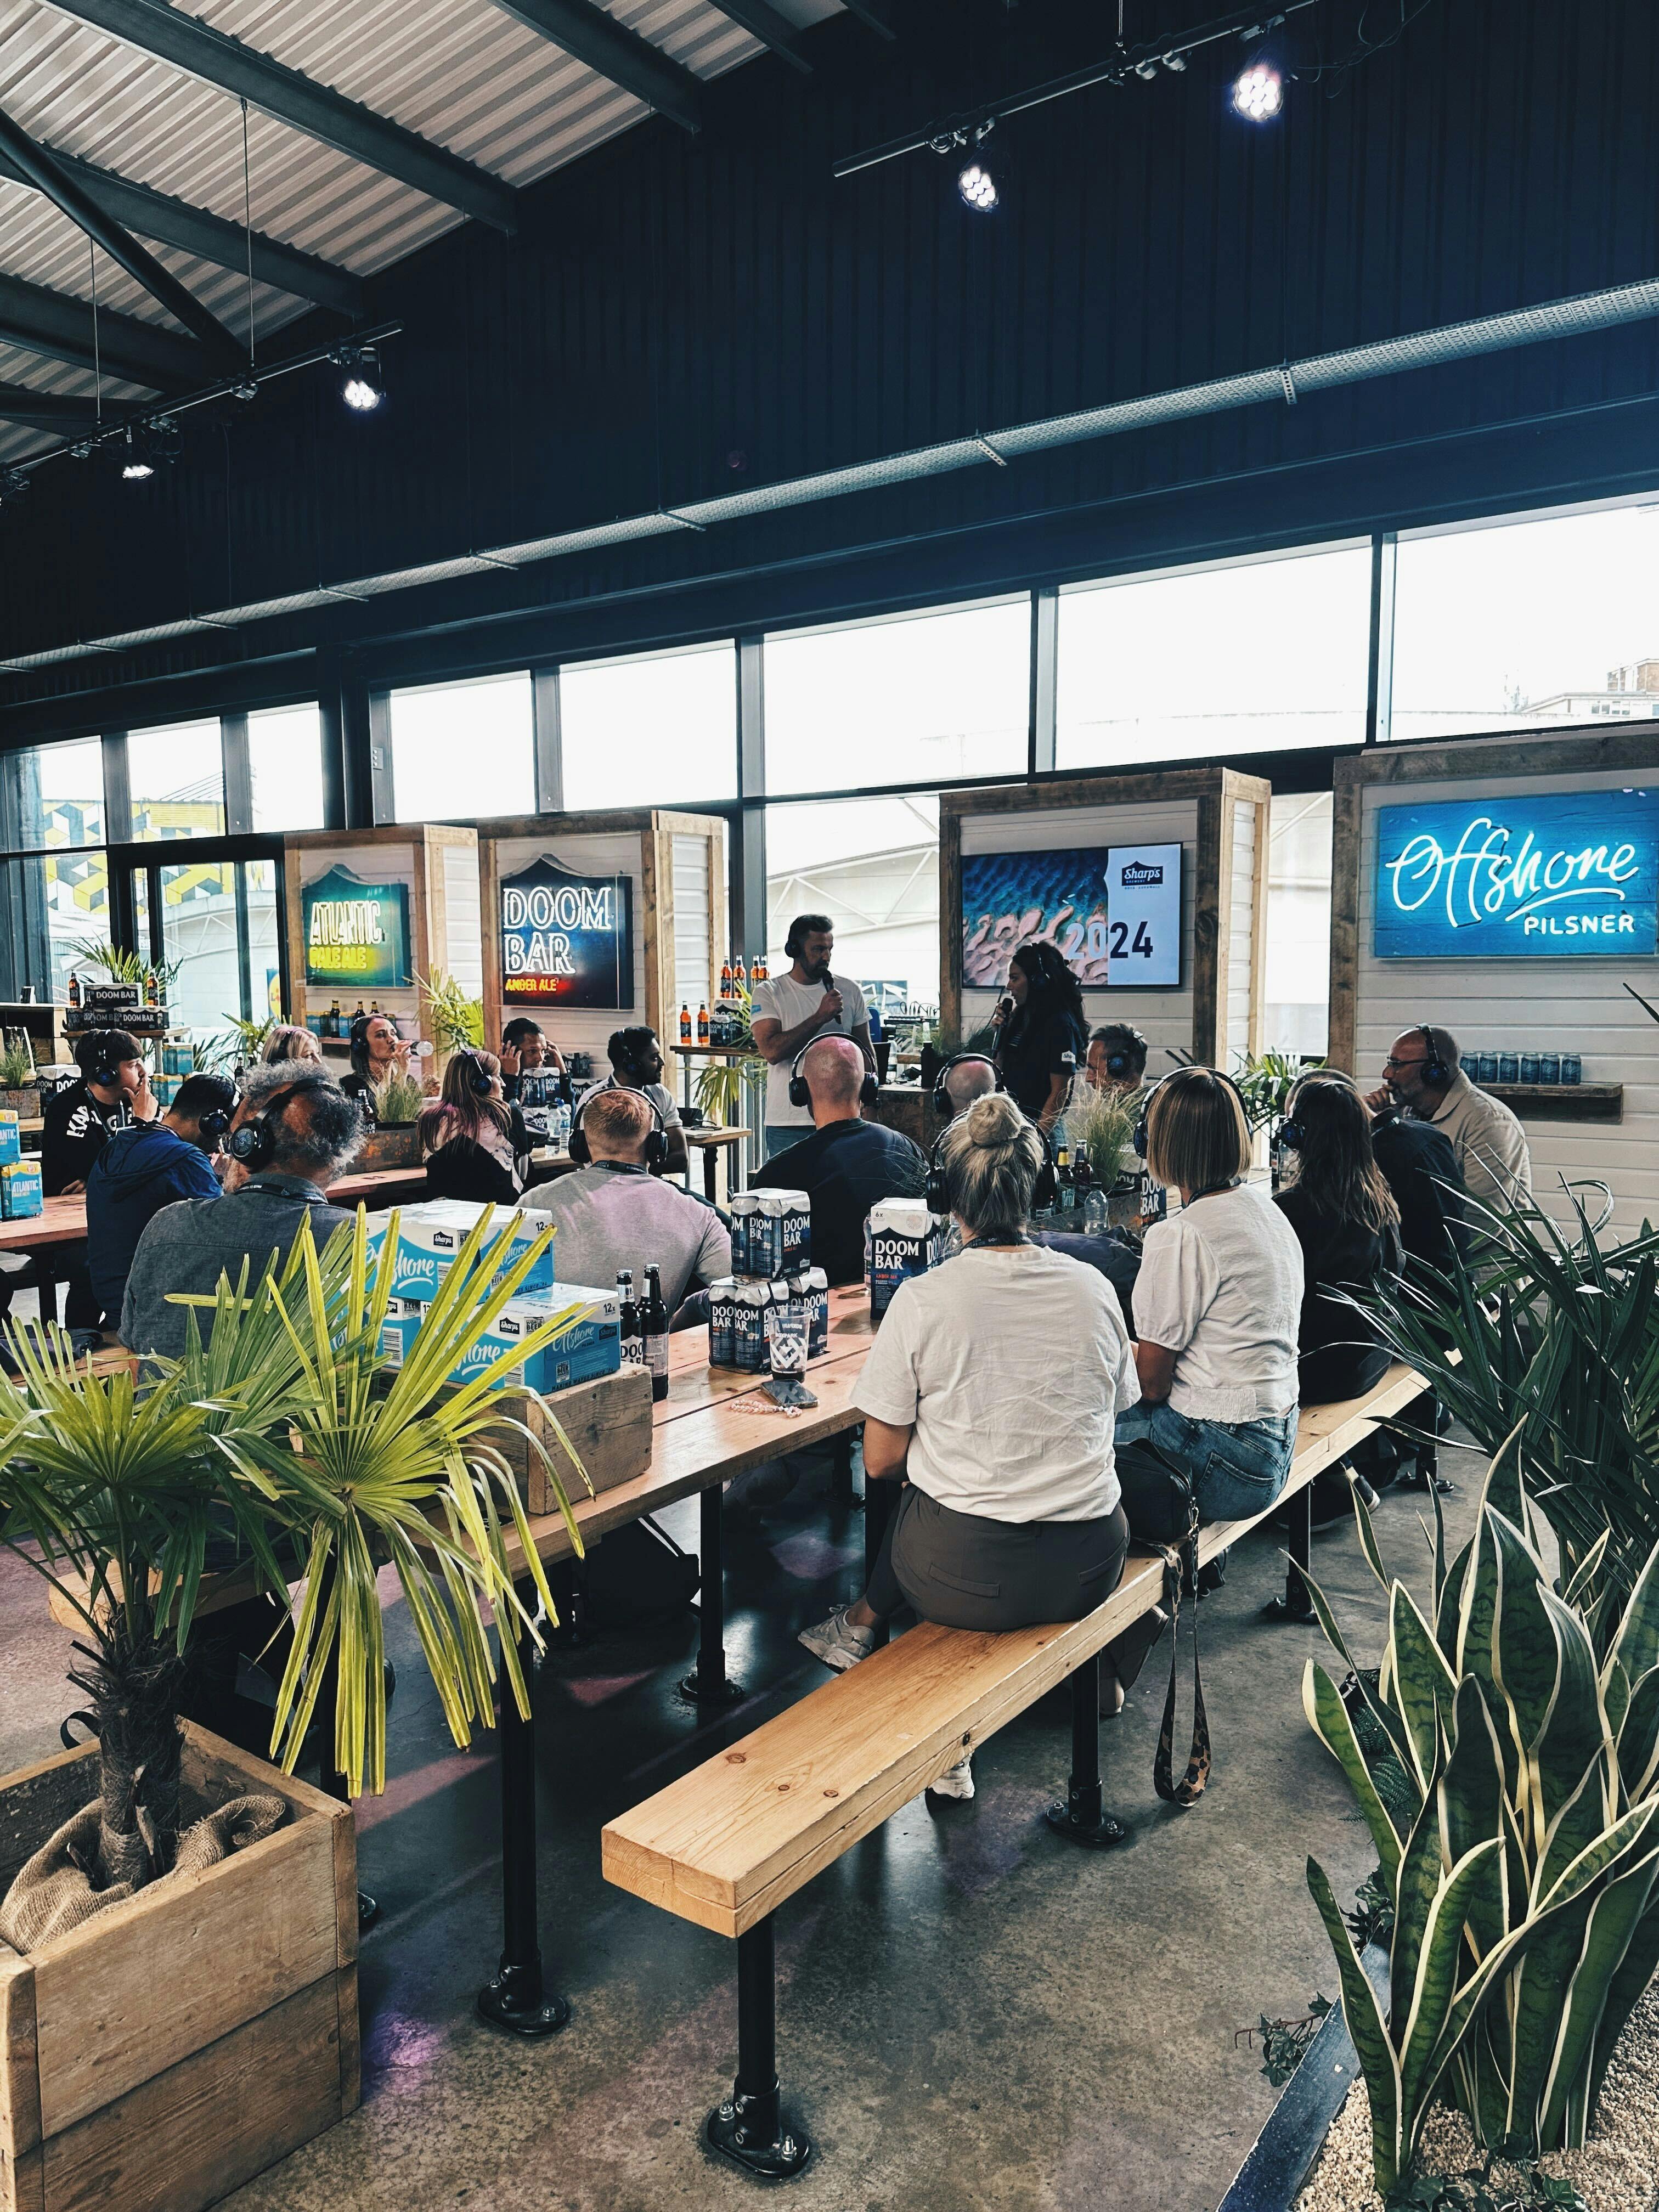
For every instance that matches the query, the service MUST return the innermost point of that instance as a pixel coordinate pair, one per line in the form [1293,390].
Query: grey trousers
[964,1571]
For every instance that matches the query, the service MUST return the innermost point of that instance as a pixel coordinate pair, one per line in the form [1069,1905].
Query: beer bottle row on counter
[645,1328]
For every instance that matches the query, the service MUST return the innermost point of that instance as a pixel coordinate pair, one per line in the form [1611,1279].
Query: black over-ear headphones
[479,1076]
[1138,1139]
[1435,1070]
[217,1120]
[800,1092]
[1120,1058]
[105,1074]
[943,1104]
[936,1195]
[656,1145]
[255,1142]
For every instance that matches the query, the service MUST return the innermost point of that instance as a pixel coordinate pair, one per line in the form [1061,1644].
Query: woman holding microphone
[1040,1021]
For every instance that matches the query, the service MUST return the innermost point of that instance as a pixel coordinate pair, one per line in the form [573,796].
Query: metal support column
[516,2000]
[747,2127]
[1081,1816]
[1296,1604]
[709,1685]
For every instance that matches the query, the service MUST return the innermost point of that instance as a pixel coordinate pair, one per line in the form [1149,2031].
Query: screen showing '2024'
[1555,876]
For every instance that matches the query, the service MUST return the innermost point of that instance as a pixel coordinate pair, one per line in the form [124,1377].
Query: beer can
[1529,1068]
[1572,1068]
[1486,1067]
[1508,1068]
[1549,1068]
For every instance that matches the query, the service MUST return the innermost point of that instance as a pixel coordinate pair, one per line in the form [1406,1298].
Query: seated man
[111,1092]
[615,1213]
[1423,1079]
[315,1131]
[1117,1060]
[637,1057]
[970,1077]
[146,1166]
[526,1051]
[847,1163]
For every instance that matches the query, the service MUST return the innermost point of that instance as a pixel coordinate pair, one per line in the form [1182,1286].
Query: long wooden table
[63,1221]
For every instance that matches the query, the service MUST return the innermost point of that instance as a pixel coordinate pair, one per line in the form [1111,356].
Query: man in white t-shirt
[790,1010]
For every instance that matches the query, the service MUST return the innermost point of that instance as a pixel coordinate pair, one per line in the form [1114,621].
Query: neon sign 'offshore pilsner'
[1563,876]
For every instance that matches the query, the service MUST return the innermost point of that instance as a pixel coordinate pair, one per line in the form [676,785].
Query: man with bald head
[970,1078]
[847,1163]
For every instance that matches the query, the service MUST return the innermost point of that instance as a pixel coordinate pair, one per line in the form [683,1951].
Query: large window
[872,865]
[285,762]
[655,730]
[922,699]
[1527,625]
[461,751]
[1215,662]
[176,781]
[54,885]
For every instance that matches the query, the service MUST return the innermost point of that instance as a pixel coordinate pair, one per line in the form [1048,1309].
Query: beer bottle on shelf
[1065,1181]
[703,1024]
[1083,1178]
[653,1332]
[726,979]
[758,973]
[685,1024]
[358,1015]
[73,993]
[633,1347]
[737,974]
[152,987]
[335,1025]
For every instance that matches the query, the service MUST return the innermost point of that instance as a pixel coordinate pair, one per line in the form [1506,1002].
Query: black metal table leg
[747,2127]
[840,1479]
[708,1685]
[1081,1816]
[516,1999]
[880,1503]
[1296,1604]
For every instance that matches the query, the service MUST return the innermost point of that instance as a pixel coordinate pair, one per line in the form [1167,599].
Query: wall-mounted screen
[566,941]
[1114,912]
[1550,875]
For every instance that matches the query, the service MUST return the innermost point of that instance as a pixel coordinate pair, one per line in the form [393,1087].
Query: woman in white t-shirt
[992,1387]
[1216,1304]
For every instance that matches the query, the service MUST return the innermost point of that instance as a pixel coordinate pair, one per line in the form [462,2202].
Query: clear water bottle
[1096,1214]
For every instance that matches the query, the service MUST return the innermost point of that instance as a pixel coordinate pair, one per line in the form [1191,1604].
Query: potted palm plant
[168,2003]
[392,1143]
[19,1093]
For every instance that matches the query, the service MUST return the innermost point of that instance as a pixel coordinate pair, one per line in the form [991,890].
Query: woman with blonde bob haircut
[1216,1304]
[991,1393]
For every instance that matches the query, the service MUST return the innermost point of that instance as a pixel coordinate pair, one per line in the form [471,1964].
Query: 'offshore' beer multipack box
[592,1347]
[430,1236]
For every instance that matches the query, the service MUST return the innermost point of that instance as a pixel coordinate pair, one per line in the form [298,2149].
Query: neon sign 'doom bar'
[1563,876]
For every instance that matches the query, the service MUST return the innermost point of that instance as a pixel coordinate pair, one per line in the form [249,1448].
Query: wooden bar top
[64,1219]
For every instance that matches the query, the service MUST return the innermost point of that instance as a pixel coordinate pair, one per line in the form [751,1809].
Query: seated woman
[288,1041]
[1348,1226]
[475,1145]
[1216,1304]
[1010,1513]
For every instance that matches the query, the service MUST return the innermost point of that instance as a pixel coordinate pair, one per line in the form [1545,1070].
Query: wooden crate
[609,1423]
[397,1146]
[156,2058]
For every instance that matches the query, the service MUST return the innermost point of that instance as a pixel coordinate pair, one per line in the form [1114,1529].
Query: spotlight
[1176,62]
[136,467]
[1258,91]
[978,187]
[1146,69]
[147,447]
[13,485]
[360,384]
[247,392]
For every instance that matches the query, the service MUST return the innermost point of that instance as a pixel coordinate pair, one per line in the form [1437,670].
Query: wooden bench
[728,1843]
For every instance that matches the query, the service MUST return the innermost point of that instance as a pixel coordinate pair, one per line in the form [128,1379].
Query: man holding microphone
[790,1010]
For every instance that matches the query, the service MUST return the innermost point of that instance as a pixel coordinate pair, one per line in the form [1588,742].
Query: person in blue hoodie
[146,1166]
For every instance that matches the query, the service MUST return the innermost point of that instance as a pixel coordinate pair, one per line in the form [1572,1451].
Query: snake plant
[1522,1861]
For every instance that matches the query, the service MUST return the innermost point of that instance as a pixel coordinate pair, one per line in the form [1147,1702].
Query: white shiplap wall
[584,1028]
[1163,1018]
[1241,934]
[463,918]
[694,986]
[1566,1005]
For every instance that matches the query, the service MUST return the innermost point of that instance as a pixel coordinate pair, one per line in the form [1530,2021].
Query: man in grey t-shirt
[615,1214]
[790,1010]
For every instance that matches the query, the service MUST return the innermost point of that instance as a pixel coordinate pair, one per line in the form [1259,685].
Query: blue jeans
[1238,1467]
[780,1135]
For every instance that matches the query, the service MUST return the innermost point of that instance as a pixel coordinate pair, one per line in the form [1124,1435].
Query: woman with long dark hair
[1347,1224]
[474,1144]
[1041,1020]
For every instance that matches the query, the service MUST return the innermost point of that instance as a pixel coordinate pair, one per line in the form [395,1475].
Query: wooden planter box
[156,2058]
[397,1146]
[609,1423]
[26,1104]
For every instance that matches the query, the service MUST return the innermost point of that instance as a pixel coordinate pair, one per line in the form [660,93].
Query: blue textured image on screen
[1009,897]
[1556,876]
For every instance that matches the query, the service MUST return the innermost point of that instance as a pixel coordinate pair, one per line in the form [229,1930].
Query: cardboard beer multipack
[739,1308]
[590,1348]
[901,1238]
[771,1232]
[11,1138]
[21,1195]
[431,1234]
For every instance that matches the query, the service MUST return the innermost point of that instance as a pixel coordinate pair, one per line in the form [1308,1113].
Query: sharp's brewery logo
[1140,872]
[566,941]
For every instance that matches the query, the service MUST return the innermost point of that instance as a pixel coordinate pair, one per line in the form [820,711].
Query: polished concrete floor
[970,2013]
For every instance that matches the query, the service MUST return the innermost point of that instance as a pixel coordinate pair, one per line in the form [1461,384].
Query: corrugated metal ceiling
[462,74]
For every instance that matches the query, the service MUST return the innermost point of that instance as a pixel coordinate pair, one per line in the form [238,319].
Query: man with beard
[807,1001]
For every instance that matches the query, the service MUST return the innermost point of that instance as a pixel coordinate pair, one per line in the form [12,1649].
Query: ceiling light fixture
[13,485]
[136,467]
[362,385]
[975,182]
[1258,92]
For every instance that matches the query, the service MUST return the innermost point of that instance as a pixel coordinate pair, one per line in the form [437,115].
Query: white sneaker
[837,1641]
[956,1781]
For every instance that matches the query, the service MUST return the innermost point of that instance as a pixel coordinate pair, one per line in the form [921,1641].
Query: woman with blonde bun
[990,1393]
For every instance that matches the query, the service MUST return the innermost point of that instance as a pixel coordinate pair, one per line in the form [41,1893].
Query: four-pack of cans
[901,1238]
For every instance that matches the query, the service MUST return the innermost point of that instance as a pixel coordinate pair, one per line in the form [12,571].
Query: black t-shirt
[1033,1044]
[1340,1356]
[74,1129]
[1420,1168]
[844,1168]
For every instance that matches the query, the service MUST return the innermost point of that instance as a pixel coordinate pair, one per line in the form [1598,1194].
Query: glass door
[210,911]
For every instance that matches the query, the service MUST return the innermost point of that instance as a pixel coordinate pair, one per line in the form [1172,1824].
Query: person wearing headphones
[1422,1079]
[847,1163]
[143,1168]
[965,1077]
[636,1058]
[789,1010]
[1039,1021]
[1118,1060]
[1218,1304]
[1337,1201]
[77,1122]
[377,1052]
[474,1144]
[294,1132]
[526,1050]
[613,1211]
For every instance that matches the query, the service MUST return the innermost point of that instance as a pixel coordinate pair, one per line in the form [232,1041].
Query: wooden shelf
[746,1051]
[1561,1102]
